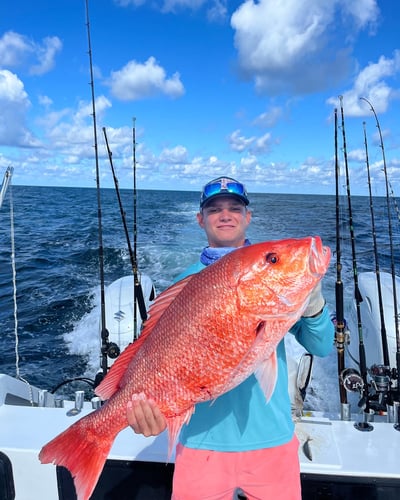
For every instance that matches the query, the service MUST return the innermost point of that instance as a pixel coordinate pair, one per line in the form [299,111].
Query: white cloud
[71,131]
[216,9]
[127,3]
[13,48]
[269,118]
[238,142]
[371,84]
[137,81]
[174,5]
[253,144]
[45,100]
[362,12]
[285,46]
[262,144]
[14,104]
[12,89]
[46,54]
[17,50]
[178,154]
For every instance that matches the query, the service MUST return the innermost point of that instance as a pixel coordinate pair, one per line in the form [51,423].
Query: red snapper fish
[204,336]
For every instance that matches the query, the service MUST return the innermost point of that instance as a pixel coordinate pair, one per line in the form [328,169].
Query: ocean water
[57,266]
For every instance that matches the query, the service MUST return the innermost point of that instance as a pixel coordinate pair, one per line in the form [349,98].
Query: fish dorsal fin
[112,381]
[162,302]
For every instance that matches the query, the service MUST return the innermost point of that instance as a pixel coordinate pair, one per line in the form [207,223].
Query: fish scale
[204,336]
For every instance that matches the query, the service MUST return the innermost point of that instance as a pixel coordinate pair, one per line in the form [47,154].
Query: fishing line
[392,264]
[7,184]
[364,402]
[385,350]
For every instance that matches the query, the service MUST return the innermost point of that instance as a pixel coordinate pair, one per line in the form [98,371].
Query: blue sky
[237,88]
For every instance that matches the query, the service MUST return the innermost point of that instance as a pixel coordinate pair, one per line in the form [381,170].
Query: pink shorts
[269,473]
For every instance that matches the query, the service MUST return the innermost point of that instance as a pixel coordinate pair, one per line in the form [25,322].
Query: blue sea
[58,277]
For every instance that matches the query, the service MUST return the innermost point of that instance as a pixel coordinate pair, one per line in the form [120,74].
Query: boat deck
[329,450]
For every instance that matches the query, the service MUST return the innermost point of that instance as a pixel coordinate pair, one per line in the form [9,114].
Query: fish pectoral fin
[266,375]
[174,425]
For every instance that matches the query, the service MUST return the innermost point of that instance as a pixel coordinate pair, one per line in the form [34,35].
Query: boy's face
[225,220]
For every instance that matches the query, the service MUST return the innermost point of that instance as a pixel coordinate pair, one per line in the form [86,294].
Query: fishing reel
[381,385]
[112,350]
[381,377]
[351,380]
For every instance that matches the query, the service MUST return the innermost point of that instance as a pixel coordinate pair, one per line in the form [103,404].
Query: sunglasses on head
[224,186]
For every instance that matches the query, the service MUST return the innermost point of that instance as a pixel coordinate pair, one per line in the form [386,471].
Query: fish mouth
[320,257]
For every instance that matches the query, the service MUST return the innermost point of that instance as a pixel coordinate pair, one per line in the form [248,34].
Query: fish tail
[83,451]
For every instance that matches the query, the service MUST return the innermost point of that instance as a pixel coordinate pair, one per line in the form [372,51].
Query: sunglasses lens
[212,189]
[235,188]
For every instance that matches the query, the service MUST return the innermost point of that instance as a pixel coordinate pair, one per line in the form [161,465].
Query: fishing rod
[138,291]
[364,402]
[135,334]
[339,326]
[385,350]
[392,264]
[105,345]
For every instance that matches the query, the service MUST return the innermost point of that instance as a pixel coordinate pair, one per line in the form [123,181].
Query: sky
[243,89]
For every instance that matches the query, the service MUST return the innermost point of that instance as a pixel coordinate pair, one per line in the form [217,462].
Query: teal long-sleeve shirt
[241,419]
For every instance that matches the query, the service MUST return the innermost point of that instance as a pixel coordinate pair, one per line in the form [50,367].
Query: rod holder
[42,397]
[79,399]
[364,425]
[59,402]
[345,411]
[96,402]
[396,415]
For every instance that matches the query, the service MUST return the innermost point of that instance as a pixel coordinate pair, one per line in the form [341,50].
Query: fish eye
[272,258]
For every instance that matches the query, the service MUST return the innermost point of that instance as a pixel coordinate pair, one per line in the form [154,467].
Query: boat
[346,455]
[349,454]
